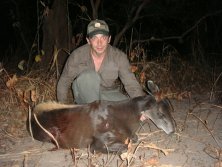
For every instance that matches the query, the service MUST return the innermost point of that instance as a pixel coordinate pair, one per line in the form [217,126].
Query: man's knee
[86,87]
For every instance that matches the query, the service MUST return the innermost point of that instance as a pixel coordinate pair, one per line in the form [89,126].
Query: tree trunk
[95,6]
[56,34]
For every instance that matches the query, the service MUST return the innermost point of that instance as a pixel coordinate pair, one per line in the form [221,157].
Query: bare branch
[183,35]
[130,22]
[95,7]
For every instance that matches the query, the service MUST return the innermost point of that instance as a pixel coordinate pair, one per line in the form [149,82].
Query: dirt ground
[196,143]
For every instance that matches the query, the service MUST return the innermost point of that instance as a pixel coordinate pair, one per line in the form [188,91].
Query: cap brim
[91,34]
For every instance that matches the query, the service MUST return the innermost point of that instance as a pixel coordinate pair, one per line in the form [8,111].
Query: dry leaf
[218,164]
[34,95]
[152,161]
[42,52]
[38,58]
[20,94]
[142,77]
[159,96]
[12,81]
[83,8]
[130,147]
[134,68]
[127,156]
[132,55]
[21,65]
[213,152]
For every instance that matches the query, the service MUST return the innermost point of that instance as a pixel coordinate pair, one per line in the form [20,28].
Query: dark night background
[192,27]
[175,43]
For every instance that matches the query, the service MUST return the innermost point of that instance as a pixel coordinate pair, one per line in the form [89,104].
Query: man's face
[99,43]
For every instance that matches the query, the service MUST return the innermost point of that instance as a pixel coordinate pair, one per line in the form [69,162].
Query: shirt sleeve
[128,78]
[69,73]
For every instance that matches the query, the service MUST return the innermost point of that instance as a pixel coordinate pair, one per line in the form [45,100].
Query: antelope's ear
[154,89]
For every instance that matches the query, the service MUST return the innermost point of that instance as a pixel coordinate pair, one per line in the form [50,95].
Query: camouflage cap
[97,27]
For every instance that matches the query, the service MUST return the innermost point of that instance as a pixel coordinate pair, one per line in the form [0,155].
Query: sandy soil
[196,143]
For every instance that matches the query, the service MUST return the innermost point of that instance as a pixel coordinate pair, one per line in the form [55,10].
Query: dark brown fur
[102,125]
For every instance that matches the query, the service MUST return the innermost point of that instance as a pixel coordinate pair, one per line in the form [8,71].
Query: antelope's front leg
[108,142]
